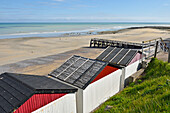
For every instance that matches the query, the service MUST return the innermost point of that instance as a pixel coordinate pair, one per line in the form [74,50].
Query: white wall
[101,90]
[65,104]
[131,69]
[94,95]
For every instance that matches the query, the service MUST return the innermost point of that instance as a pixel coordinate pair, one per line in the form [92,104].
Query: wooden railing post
[169,53]
[142,49]
[156,49]
[91,43]
[149,49]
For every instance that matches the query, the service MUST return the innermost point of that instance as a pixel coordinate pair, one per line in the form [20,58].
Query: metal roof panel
[79,72]
[117,56]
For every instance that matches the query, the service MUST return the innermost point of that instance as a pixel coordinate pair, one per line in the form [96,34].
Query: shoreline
[18,49]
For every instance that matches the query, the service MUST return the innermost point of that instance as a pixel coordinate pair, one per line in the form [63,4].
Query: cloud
[48,3]
[85,6]
[165,4]
[53,2]
[58,0]
[107,19]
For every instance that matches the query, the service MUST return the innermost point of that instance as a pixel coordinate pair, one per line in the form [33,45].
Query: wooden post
[79,100]
[90,42]
[156,49]
[98,44]
[122,79]
[149,48]
[169,53]
[142,50]
[94,43]
[163,47]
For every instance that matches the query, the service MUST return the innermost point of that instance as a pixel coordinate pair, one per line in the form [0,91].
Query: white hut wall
[101,90]
[65,104]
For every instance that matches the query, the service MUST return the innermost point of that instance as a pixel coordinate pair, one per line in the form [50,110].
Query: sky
[84,10]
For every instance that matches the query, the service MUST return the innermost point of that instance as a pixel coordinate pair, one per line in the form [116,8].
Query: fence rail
[151,49]
[103,43]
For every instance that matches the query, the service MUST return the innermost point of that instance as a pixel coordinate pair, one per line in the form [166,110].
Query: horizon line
[88,22]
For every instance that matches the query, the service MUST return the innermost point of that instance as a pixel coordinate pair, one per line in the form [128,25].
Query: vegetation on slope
[150,94]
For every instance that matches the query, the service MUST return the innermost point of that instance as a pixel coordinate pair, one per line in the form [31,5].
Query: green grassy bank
[150,94]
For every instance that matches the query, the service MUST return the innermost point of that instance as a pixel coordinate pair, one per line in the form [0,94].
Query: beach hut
[119,57]
[128,60]
[93,78]
[21,93]
[97,79]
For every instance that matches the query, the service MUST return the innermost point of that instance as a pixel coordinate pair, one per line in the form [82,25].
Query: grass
[150,94]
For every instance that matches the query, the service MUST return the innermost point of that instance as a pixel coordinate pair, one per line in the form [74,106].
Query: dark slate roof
[79,71]
[15,89]
[117,56]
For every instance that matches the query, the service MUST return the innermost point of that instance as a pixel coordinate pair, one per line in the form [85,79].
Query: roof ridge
[93,77]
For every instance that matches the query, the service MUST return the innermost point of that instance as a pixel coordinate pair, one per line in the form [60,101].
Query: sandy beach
[42,55]
[78,56]
[14,50]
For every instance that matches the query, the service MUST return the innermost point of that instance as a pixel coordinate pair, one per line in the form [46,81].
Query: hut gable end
[16,91]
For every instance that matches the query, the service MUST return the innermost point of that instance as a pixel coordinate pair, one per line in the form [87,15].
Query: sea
[21,30]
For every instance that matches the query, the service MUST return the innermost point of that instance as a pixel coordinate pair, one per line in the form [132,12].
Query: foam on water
[18,30]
